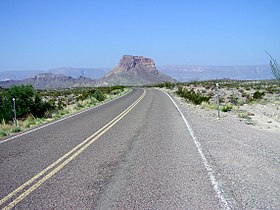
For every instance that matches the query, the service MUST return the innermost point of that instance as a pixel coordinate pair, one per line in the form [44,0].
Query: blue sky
[56,33]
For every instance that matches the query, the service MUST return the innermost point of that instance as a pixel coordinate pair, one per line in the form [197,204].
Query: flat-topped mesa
[134,70]
[128,62]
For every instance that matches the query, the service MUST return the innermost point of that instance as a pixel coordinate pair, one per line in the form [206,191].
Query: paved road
[145,159]
[136,152]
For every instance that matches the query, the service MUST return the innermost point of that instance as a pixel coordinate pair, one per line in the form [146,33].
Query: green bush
[2,134]
[30,120]
[27,101]
[168,85]
[99,95]
[226,108]
[115,92]
[258,95]
[16,129]
[117,87]
[40,107]
[192,96]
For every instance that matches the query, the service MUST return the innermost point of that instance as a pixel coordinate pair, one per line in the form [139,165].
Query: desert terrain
[254,103]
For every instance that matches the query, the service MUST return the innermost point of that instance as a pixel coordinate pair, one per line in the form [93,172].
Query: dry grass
[30,122]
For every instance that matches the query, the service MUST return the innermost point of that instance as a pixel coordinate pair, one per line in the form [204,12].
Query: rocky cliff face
[134,70]
[128,62]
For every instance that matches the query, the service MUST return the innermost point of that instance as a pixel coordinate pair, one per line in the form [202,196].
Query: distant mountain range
[92,73]
[178,72]
[191,72]
[51,81]
[132,70]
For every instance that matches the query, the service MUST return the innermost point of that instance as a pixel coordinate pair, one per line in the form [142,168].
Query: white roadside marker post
[14,110]
[218,99]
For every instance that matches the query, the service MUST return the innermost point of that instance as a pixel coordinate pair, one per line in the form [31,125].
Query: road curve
[133,153]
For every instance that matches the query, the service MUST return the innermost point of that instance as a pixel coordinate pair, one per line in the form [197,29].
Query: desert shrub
[80,97]
[40,107]
[161,85]
[28,101]
[169,85]
[16,129]
[117,87]
[180,89]
[210,86]
[192,96]
[233,99]
[2,134]
[245,95]
[24,95]
[272,89]
[258,95]
[116,92]
[210,94]
[61,104]
[113,90]
[226,108]
[207,105]
[275,68]
[79,105]
[30,120]
[99,95]
[64,112]
[222,99]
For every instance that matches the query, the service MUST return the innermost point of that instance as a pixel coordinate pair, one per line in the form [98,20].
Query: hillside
[134,70]
[51,81]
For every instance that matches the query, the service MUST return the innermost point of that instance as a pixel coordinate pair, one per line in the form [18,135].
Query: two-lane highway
[135,152]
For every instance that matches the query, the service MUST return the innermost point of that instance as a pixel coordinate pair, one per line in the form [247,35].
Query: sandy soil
[264,117]
[263,114]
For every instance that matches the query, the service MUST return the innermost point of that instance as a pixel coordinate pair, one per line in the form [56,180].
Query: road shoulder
[245,160]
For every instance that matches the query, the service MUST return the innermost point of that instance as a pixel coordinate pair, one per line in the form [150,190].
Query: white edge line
[210,171]
[62,119]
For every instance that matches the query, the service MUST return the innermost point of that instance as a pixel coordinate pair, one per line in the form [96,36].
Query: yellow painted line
[86,143]
[59,160]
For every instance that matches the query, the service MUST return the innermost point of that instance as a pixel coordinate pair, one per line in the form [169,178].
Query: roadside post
[218,99]
[14,110]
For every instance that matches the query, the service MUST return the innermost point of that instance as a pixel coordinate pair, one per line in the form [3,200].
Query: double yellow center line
[36,181]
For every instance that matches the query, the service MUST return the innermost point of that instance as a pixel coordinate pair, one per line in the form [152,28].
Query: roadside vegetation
[275,68]
[238,97]
[35,107]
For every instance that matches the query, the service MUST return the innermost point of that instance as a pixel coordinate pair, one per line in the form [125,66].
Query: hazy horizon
[110,68]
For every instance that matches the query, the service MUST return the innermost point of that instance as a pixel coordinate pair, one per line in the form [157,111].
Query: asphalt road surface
[136,152]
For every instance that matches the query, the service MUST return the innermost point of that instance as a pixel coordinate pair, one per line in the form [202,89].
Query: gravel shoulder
[245,158]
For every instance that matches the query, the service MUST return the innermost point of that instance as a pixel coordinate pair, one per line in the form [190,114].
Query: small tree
[275,68]
[24,95]
[28,101]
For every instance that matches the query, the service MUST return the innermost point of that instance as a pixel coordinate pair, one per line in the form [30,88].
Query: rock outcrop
[134,71]
[128,62]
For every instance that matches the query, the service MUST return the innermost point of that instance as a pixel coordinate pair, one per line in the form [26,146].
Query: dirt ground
[262,114]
